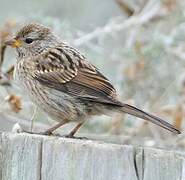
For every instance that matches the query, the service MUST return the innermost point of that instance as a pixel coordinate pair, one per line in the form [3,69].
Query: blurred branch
[125,7]
[4,77]
[9,72]
[5,32]
[2,52]
[151,10]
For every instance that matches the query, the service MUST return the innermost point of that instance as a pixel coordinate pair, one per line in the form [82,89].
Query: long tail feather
[144,115]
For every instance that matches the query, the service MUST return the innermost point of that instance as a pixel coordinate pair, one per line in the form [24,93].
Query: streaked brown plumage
[61,81]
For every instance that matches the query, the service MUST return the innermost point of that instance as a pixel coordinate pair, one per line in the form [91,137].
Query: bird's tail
[149,117]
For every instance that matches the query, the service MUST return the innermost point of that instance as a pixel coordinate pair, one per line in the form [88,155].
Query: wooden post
[33,157]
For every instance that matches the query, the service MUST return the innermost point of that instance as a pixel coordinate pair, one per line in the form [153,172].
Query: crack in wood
[30,157]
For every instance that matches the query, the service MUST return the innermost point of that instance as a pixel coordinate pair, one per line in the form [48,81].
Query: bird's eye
[28,40]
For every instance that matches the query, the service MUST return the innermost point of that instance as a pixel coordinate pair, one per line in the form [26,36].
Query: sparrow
[63,83]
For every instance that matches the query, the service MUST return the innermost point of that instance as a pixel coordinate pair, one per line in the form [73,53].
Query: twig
[148,13]
[5,32]
[9,72]
[125,7]
[6,77]
[3,48]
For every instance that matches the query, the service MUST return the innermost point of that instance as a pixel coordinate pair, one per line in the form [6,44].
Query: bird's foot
[48,133]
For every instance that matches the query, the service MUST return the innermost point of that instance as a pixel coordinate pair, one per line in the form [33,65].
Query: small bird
[63,83]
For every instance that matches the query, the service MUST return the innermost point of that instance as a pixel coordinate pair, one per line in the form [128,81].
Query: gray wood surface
[33,157]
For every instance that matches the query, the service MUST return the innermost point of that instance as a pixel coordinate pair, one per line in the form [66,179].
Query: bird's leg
[50,130]
[71,134]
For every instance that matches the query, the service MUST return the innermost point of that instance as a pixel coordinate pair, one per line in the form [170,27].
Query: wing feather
[65,69]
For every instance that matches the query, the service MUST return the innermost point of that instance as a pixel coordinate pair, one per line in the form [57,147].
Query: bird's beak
[15,43]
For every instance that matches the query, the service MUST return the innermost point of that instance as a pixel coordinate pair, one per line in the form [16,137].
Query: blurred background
[138,44]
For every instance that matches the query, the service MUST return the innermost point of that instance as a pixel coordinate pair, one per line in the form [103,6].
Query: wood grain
[32,157]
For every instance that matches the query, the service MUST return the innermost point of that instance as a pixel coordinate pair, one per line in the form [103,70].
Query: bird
[63,83]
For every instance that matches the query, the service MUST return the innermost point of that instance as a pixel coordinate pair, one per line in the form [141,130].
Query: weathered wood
[33,157]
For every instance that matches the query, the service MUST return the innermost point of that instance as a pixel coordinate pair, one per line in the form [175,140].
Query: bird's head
[32,39]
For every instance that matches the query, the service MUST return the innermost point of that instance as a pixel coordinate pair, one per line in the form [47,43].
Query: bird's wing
[65,69]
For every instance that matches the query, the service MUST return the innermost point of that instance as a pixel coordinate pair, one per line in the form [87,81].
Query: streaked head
[32,39]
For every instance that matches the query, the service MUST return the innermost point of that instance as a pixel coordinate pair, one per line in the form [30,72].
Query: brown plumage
[61,81]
